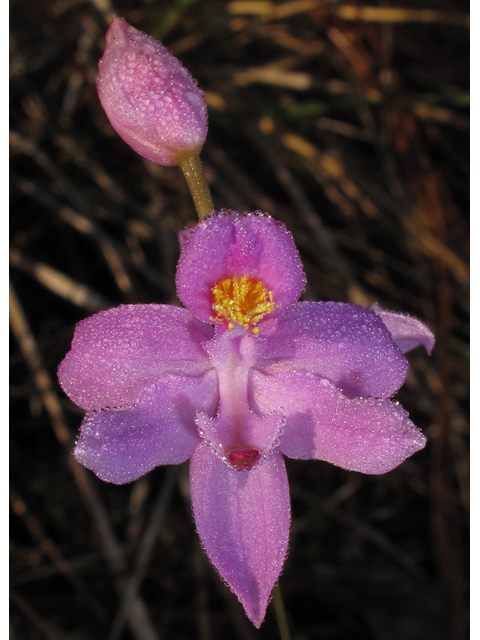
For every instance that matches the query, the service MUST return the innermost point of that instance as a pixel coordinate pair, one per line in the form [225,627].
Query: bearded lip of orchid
[244,301]
[272,376]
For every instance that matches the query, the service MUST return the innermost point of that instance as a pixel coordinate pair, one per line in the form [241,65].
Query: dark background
[352,128]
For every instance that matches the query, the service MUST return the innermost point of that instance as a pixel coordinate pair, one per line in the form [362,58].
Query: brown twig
[51,550]
[145,550]
[138,617]
[40,625]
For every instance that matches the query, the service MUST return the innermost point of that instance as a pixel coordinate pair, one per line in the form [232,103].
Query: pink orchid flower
[242,376]
[151,100]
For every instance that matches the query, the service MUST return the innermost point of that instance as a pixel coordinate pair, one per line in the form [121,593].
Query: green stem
[192,168]
[280,613]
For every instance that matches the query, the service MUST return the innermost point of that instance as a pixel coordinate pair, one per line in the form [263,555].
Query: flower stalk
[192,169]
[280,613]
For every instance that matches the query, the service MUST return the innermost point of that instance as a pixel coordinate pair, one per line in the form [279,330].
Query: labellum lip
[243,459]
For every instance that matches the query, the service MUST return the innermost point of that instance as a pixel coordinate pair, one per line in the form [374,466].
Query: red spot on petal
[243,459]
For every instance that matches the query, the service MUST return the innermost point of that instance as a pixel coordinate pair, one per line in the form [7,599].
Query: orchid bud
[151,100]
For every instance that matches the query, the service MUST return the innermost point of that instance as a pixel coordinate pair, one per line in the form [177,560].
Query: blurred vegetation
[347,121]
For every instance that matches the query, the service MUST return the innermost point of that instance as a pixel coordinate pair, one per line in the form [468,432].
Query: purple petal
[345,343]
[117,353]
[121,446]
[359,434]
[151,100]
[243,520]
[407,332]
[232,244]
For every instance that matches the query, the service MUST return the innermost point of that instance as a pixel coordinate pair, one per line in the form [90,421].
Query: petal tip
[243,520]
[407,331]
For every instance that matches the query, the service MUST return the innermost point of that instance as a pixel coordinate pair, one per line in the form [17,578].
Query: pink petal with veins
[115,354]
[121,446]
[359,434]
[345,343]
